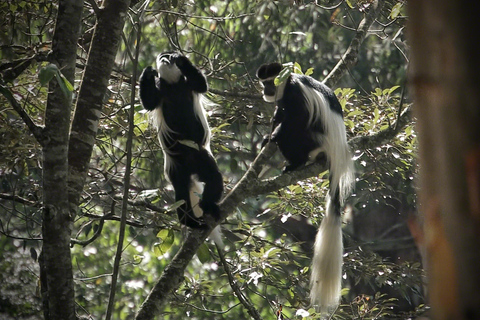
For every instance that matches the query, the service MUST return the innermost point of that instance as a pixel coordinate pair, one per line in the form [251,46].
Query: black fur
[308,125]
[291,132]
[176,96]
[299,124]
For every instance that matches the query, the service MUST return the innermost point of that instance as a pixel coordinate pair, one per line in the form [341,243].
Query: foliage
[229,40]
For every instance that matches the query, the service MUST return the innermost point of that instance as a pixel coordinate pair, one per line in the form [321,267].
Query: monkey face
[167,67]
[268,90]
[267,74]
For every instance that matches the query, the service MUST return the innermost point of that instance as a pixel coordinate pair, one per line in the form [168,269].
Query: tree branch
[97,233]
[20,200]
[36,130]
[232,94]
[128,172]
[381,137]
[350,57]
[132,223]
[12,69]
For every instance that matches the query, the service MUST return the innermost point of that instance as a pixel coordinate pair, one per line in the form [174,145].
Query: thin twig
[95,7]
[236,94]
[98,232]
[350,57]
[36,130]
[234,285]
[128,169]
[19,199]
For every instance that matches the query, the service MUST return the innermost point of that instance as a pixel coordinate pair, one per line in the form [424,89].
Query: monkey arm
[277,120]
[278,116]
[150,88]
[195,78]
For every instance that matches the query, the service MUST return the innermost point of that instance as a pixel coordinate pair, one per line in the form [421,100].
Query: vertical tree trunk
[101,59]
[56,264]
[445,76]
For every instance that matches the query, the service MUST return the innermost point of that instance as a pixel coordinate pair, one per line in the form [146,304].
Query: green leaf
[176,205]
[65,85]
[355,113]
[384,127]
[297,68]
[376,115]
[137,258]
[284,74]
[203,253]
[396,10]
[349,123]
[47,73]
[393,89]
[271,253]
[297,189]
[309,71]
[166,237]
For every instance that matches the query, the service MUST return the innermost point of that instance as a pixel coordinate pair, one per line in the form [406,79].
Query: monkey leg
[182,182]
[207,171]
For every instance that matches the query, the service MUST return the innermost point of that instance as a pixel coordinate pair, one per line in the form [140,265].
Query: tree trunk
[56,265]
[101,59]
[445,76]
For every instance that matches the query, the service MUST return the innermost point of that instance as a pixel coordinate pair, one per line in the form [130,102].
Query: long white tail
[326,277]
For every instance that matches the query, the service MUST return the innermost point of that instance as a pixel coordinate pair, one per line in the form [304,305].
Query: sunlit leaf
[376,113]
[396,10]
[64,84]
[137,258]
[309,71]
[166,238]
[297,68]
[283,76]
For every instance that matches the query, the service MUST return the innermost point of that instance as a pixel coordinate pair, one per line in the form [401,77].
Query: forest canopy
[81,164]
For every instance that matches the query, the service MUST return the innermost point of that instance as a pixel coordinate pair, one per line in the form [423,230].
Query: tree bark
[446,81]
[101,59]
[56,265]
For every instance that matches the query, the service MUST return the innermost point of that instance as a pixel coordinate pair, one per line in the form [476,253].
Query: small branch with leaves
[350,57]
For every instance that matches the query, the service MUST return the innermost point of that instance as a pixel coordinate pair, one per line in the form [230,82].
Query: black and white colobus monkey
[173,94]
[308,123]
